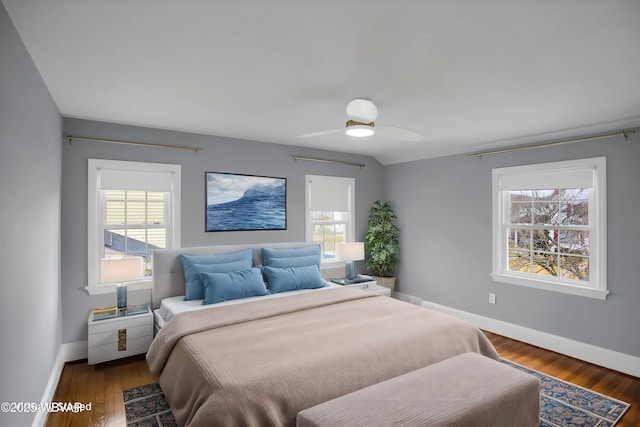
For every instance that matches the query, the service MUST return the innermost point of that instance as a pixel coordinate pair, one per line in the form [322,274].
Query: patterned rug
[146,406]
[562,404]
[565,404]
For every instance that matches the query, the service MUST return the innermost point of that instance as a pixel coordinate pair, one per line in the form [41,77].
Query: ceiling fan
[362,113]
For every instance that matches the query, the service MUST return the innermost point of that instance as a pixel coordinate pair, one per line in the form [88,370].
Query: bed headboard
[168,276]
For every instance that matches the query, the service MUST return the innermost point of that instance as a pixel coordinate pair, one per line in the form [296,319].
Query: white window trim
[597,287]
[350,234]
[93,216]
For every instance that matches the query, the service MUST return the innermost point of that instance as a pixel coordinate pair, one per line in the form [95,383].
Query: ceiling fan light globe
[362,110]
[359,131]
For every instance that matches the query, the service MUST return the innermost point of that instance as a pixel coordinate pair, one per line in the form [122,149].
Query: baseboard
[617,361]
[67,353]
[75,351]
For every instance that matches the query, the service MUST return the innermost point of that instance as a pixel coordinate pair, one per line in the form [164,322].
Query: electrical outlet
[492,298]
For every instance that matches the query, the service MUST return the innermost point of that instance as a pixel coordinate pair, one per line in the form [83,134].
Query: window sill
[582,291]
[111,287]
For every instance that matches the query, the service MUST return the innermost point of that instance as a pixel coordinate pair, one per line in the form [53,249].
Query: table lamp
[119,270]
[349,252]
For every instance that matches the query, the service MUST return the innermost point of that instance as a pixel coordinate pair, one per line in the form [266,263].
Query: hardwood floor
[102,384]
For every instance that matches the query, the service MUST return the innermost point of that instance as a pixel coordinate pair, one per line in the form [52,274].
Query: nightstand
[117,334]
[371,286]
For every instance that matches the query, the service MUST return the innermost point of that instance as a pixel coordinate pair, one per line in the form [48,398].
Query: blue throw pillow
[243,254]
[220,287]
[300,261]
[193,286]
[291,279]
[292,257]
[219,263]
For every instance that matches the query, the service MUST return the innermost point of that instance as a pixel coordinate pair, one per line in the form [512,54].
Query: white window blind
[553,178]
[116,179]
[328,196]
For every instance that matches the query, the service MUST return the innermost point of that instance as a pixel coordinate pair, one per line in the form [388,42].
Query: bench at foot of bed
[465,390]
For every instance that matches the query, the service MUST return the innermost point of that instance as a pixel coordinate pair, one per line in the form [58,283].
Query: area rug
[565,404]
[146,406]
[562,404]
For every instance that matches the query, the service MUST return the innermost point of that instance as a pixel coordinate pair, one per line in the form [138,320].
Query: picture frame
[240,202]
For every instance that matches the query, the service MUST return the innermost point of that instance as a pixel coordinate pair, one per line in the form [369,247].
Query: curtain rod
[143,144]
[624,133]
[339,162]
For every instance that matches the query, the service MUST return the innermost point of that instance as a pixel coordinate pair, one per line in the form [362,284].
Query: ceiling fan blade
[398,133]
[321,133]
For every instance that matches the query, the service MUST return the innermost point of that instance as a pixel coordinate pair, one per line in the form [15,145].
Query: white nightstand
[370,287]
[120,336]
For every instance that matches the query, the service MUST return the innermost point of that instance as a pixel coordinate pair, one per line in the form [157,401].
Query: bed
[259,361]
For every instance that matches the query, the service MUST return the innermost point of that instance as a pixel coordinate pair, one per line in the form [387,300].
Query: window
[329,212]
[549,226]
[133,208]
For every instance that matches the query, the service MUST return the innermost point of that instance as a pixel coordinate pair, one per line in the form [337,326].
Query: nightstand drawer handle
[122,339]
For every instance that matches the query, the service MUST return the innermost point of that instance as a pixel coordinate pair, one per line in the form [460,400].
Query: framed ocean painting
[236,202]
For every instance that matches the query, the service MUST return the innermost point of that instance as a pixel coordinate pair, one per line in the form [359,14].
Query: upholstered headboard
[168,276]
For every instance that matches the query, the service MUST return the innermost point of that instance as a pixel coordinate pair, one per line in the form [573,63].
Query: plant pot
[387,282]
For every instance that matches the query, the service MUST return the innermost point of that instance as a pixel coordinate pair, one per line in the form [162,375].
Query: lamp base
[349,270]
[121,296]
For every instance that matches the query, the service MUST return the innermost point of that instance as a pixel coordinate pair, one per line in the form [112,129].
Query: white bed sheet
[169,307]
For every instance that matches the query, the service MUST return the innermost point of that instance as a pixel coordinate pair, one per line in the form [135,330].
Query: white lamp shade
[121,269]
[350,251]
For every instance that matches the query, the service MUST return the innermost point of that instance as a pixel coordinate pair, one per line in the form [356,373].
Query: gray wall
[30,170]
[219,155]
[444,212]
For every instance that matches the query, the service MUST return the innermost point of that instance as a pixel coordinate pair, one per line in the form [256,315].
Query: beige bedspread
[260,363]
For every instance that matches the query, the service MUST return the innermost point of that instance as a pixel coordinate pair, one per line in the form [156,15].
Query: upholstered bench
[466,390]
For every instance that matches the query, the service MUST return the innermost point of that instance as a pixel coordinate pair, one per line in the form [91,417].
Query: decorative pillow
[287,257]
[289,262]
[243,254]
[193,286]
[219,263]
[291,279]
[220,287]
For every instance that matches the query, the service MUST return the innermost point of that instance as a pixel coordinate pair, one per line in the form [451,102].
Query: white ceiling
[467,75]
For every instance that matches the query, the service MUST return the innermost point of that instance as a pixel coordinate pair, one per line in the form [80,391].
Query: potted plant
[381,244]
